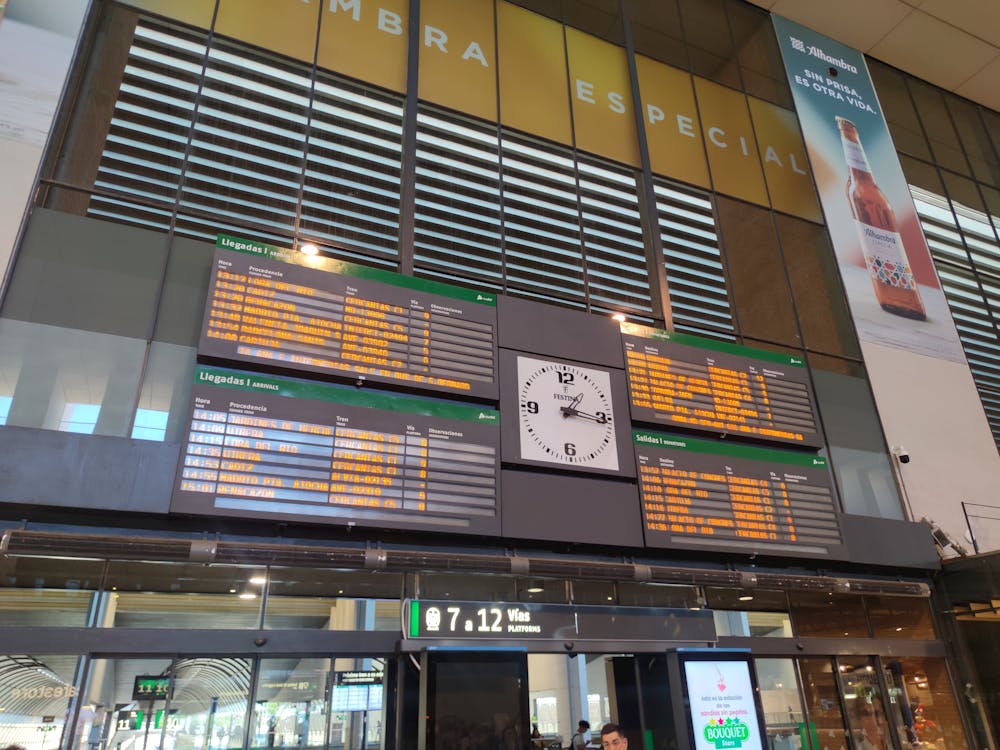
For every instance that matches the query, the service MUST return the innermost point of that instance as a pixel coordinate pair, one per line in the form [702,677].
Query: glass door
[290,706]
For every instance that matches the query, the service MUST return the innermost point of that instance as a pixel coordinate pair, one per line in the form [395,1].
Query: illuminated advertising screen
[272,307]
[709,493]
[267,447]
[715,387]
[721,704]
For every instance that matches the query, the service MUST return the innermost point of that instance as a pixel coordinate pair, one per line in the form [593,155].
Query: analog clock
[565,414]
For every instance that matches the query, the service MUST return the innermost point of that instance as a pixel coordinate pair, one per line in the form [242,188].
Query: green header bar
[266,384]
[658,334]
[721,448]
[330,265]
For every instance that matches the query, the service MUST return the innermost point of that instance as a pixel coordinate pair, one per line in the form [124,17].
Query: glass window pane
[760,293]
[937,124]
[290,703]
[854,438]
[115,714]
[169,595]
[864,704]
[828,615]
[922,703]
[35,693]
[208,704]
[358,704]
[749,612]
[760,59]
[600,18]
[657,595]
[900,617]
[69,380]
[332,599]
[469,587]
[710,44]
[907,134]
[779,697]
[86,274]
[819,297]
[656,31]
[975,140]
[826,720]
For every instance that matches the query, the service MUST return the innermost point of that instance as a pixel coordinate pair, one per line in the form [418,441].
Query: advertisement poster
[723,710]
[892,287]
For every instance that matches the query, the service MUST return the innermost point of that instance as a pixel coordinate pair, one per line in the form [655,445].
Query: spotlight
[309,249]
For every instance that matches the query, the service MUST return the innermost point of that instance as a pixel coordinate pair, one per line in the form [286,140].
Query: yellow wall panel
[195,12]
[603,113]
[458,56]
[285,26]
[533,87]
[365,40]
[732,151]
[673,130]
[786,168]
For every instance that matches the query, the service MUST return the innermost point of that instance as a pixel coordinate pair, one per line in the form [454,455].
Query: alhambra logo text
[726,733]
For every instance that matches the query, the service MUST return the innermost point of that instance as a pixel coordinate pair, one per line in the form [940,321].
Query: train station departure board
[716,494]
[280,308]
[690,382]
[260,446]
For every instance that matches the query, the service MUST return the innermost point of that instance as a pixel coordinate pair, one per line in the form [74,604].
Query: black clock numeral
[531,407]
[565,378]
[602,418]
[569,449]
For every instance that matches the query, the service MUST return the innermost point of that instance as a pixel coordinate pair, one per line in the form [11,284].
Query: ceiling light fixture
[309,249]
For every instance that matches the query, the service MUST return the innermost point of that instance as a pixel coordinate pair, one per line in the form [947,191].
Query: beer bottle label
[855,157]
[885,257]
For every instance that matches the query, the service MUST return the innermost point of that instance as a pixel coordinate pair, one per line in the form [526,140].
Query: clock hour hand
[569,411]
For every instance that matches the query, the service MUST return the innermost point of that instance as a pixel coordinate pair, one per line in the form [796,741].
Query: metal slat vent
[457,234]
[350,201]
[617,273]
[966,253]
[699,300]
[144,149]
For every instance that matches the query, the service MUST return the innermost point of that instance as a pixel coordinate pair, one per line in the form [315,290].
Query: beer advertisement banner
[893,290]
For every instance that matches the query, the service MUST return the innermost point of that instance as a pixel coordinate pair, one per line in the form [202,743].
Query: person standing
[581,739]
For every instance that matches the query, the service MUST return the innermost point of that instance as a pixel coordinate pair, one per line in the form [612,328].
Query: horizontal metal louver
[144,149]
[543,251]
[699,300]
[247,146]
[617,273]
[350,201]
[966,253]
[457,233]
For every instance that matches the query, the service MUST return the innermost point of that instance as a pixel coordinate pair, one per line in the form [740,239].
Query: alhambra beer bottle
[889,270]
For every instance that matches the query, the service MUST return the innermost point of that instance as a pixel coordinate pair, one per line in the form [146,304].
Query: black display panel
[450,620]
[266,447]
[711,386]
[710,494]
[270,306]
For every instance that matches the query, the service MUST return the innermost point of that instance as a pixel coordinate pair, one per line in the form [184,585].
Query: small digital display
[270,306]
[710,386]
[705,493]
[268,447]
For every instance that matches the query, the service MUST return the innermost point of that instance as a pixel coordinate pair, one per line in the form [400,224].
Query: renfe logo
[726,733]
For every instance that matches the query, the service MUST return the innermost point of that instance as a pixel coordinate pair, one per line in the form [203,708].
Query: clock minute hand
[570,412]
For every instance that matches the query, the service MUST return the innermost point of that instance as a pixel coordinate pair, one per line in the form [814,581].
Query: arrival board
[711,494]
[266,447]
[271,306]
[690,382]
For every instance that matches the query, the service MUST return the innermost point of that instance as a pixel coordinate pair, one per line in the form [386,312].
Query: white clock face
[565,414]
